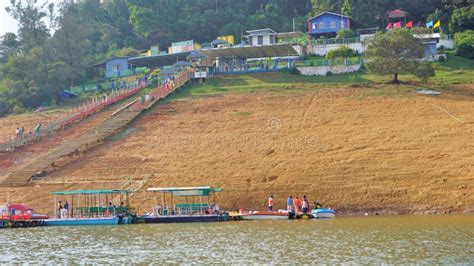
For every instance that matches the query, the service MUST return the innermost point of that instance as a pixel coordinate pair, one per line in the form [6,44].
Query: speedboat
[323,213]
[264,215]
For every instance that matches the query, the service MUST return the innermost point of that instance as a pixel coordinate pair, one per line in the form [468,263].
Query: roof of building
[219,42]
[260,31]
[397,13]
[274,50]
[330,13]
[159,60]
[186,191]
[91,192]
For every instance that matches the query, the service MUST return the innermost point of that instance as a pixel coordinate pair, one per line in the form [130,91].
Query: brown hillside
[353,149]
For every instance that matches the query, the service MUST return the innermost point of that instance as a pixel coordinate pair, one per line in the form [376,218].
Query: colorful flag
[429,24]
[389,26]
[419,24]
[437,24]
[409,24]
[397,25]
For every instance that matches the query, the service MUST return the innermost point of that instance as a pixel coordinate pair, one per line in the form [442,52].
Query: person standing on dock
[60,207]
[305,205]
[270,203]
[289,204]
[66,208]
[297,204]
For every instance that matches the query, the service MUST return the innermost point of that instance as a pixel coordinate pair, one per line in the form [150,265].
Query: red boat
[22,212]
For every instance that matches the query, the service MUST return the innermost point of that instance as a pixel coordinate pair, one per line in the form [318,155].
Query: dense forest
[56,41]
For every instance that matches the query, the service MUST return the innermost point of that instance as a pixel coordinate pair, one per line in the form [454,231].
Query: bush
[341,52]
[423,71]
[294,71]
[464,42]
[345,34]
[329,73]
[442,59]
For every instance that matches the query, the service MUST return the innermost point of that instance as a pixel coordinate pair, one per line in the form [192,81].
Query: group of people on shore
[21,134]
[295,204]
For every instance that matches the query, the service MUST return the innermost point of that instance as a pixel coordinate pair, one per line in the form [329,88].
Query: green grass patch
[243,113]
[456,70]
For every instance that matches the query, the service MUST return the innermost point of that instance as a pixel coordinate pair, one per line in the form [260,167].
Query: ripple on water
[433,239]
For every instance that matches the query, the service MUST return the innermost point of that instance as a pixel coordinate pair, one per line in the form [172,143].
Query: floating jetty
[194,205]
[91,207]
[111,207]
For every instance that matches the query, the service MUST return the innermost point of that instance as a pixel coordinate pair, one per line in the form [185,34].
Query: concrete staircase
[67,151]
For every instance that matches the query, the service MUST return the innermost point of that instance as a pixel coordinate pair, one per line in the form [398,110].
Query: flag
[397,25]
[409,24]
[429,24]
[437,24]
[389,26]
[419,24]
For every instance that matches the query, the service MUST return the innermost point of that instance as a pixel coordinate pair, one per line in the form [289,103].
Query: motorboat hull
[323,213]
[82,221]
[156,219]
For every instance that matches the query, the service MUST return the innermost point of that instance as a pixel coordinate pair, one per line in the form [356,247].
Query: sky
[7,23]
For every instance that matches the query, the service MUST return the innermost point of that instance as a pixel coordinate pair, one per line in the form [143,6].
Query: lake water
[398,239]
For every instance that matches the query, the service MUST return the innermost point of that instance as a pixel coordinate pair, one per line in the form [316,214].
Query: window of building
[321,25]
[333,25]
[342,24]
[315,26]
[260,40]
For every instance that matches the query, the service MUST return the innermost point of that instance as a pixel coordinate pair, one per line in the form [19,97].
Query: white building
[261,37]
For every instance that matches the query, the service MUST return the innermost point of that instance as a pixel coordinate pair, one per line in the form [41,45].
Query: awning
[186,191]
[275,50]
[91,192]
[158,60]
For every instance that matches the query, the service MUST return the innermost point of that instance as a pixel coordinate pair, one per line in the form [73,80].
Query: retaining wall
[323,49]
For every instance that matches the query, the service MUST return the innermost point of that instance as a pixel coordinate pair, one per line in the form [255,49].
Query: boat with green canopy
[91,207]
[185,204]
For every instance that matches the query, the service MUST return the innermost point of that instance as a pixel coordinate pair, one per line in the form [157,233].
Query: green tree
[8,46]
[465,43]
[71,47]
[345,34]
[462,19]
[32,28]
[347,8]
[395,52]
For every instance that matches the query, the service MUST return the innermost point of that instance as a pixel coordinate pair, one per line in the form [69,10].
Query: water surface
[398,239]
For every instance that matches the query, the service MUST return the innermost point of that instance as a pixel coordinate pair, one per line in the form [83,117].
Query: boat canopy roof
[187,191]
[91,192]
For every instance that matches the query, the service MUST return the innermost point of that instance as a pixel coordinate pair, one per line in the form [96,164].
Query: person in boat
[317,205]
[297,204]
[289,204]
[270,203]
[60,207]
[305,205]
[66,208]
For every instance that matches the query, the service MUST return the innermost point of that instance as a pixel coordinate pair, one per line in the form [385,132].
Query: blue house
[116,67]
[327,24]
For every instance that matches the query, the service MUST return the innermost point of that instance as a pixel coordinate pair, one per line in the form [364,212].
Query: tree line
[57,41]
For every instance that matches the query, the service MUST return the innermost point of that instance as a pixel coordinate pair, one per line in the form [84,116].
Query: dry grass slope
[354,149]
